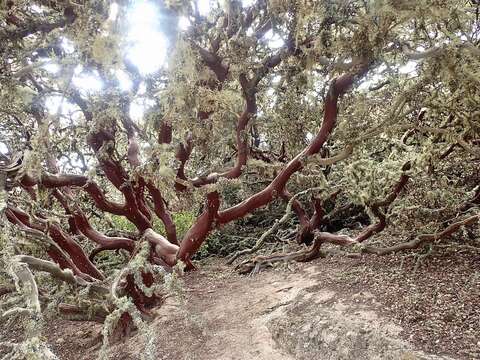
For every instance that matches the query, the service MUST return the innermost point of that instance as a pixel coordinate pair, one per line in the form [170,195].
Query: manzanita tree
[352,101]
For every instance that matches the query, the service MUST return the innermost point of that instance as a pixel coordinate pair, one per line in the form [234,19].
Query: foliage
[375,104]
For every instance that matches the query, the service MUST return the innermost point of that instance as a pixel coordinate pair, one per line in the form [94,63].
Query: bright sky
[3,148]
[146,42]
[147,45]
[146,48]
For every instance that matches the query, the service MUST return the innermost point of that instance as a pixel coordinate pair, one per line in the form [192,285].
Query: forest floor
[333,308]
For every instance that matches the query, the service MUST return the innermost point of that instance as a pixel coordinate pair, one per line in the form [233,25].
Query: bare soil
[333,308]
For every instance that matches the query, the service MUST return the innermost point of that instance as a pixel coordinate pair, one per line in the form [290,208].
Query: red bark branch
[369,231]
[337,88]
[83,225]
[78,261]
[75,251]
[139,190]
[297,208]
[20,217]
[165,133]
[63,201]
[249,89]
[423,238]
[163,214]
[380,225]
[242,148]
[132,208]
[96,193]
[107,242]
[198,232]
[101,202]
[183,154]
[214,62]
[195,236]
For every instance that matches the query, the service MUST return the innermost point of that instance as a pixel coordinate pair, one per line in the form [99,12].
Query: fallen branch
[422,239]
[253,266]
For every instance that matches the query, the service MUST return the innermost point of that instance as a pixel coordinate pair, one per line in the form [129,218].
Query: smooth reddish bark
[195,236]
[212,218]
[162,212]
[78,262]
[105,242]
[338,88]
[74,250]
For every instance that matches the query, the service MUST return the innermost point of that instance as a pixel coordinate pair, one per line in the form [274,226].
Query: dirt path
[225,316]
[234,318]
[285,315]
[334,308]
[277,314]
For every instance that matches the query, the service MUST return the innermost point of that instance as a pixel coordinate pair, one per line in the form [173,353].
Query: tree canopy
[118,118]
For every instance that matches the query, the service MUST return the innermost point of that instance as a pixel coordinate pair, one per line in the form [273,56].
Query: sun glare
[146,47]
[204,7]
[408,68]
[87,82]
[274,41]
[51,67]
[3,148]
[147,44]
[124,80]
